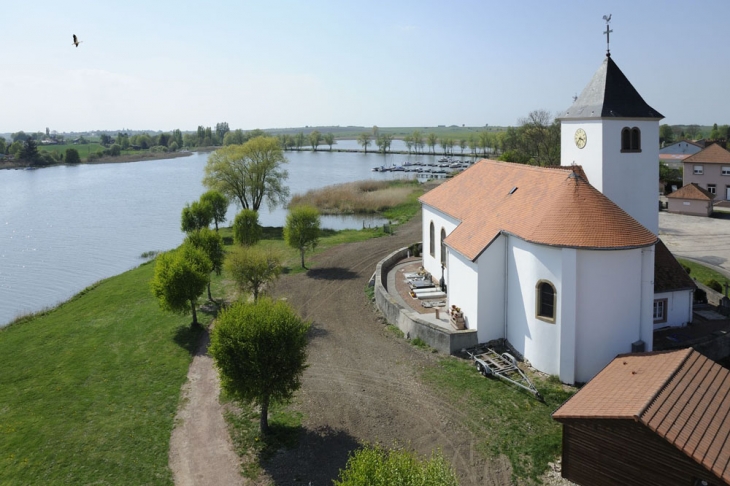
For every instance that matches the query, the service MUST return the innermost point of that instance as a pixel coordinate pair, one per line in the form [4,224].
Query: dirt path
[361,385]
[201,452]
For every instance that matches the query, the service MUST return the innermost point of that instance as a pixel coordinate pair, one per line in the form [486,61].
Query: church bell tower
[614,135]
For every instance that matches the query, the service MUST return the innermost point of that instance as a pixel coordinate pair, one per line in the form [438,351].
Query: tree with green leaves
[431,139]
[195,216]
[408,140]
[315,138]
[29,153]
[253,269]
[462,145]
[180,279]
[418,141]
[364,140]
[219,204]
[260,351]
[72,156]
[246,228]
[299,139]
[666,135]
[250,173]
[302,228]
[220,131]
[374,465]
[329,139]
[211,243]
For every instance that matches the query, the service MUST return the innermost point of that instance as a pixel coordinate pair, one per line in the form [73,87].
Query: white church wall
[630,178]
[567,303]
[462,288]
[537,340]
[440,220]
[679,308]
[608,313]
[491,291]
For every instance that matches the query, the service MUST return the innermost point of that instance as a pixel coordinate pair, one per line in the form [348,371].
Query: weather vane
[607,18]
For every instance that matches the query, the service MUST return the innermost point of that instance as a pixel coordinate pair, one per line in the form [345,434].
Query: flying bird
[76,41]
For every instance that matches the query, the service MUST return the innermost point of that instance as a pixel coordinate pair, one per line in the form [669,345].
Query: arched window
[545,301]
[432,241]
[630,139]
[443,247]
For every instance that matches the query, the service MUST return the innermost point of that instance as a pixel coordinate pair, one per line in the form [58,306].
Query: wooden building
[650,418]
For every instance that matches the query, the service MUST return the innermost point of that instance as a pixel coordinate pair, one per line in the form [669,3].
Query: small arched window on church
[432,241]
[630,139]
[443,247]
[545,301]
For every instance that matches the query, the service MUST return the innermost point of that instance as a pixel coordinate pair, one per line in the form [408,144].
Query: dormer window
[630,139]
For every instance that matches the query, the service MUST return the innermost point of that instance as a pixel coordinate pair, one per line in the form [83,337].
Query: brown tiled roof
[714,154]
[692,191]
[680,395]
[551,206]
[669,274]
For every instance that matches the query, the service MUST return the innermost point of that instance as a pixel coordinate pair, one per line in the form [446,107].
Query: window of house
[545,308]
[711,188]
[698,170]
[432,241]
[630,139]
[443,247]
[725,170]
[660,311]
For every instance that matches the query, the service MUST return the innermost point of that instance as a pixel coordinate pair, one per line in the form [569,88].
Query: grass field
[702,273]
[89,391]
[506,419]
[83,149]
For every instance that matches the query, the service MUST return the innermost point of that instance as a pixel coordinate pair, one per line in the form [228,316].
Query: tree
[462,145]
[220,130]
[315,138]
[418,141]
[539,138]
[329,139]
[3,146]
[408,140]
[364,140]
[253,269]
[431,139]
[30,151]
[666,135]
[249,173]
[196,216]
[105,139]
[260,351]
[236,137]
[302,229]
[72,156]
[246,228]
[299,140]
[378,466]
[219,203]
[115,150]
[20,136]
[210,243]
[180,279]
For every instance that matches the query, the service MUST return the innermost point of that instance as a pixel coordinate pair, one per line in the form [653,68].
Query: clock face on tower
[580,138]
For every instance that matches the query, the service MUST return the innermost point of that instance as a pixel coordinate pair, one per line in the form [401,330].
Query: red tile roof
[714,154]
[692,191]
[552,206]
[680,395]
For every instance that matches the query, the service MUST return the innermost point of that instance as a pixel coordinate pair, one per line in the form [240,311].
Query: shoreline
[120,159]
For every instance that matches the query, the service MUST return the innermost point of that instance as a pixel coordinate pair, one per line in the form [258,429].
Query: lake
[64,228]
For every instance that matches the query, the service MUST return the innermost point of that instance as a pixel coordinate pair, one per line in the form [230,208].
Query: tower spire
[607,18]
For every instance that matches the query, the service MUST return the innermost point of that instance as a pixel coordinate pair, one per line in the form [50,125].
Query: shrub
[72,156]
[378,466]
[115,150]
[687,269]
[246,228]
[714,285]
[158,149]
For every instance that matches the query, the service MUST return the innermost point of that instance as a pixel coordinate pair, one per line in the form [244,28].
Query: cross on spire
[607,18]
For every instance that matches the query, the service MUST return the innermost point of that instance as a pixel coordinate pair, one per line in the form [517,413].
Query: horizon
[322,64]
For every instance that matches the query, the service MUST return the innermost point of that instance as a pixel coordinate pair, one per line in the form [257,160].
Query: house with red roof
[560,261]
[691,199]
[709,169]
[650,418]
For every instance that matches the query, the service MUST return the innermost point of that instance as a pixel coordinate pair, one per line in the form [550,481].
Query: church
[564,262]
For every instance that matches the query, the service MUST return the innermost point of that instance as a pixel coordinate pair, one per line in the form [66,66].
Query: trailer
[504,366]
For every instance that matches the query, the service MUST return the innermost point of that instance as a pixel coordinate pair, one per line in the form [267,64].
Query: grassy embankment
[89,390]
[702,273]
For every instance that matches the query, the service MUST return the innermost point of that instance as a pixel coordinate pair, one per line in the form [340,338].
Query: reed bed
[362,197]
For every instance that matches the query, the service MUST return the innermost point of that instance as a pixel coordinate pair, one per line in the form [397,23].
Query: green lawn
[89,391]
[702,273]
[506,419]
[83,149]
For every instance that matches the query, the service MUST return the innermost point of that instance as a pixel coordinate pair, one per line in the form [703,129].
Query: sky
[161,65]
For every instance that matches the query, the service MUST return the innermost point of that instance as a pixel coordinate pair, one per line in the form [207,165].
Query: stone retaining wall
[410,322]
